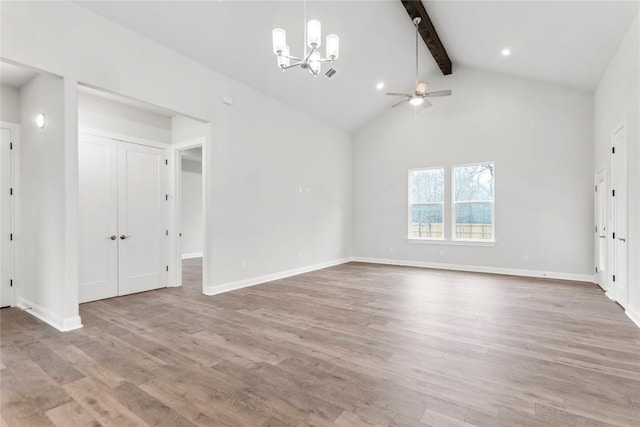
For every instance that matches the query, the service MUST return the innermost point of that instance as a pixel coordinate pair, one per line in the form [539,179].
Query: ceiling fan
[420,95]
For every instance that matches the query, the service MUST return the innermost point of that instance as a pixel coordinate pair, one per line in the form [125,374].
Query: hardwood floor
[356,344]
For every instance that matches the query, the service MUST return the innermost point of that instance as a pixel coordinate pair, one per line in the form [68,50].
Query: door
[142,218]
[600,216]
[619,198]
[6,259]
[98,224]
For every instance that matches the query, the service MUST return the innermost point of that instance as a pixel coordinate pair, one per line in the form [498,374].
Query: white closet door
[142,218]
[98,223]
[5,219]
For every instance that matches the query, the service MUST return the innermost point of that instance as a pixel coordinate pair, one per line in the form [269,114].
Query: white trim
[633,314]
[193,255]
[50,318]
[452,242]
[121,137]
[479,269]
[15,267]
[245,283]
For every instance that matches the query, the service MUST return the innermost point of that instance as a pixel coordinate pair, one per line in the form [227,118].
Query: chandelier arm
[308,55]
[291,66]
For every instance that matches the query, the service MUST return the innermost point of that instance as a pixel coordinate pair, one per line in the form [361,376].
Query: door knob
[122,237]
[622,239]
[113,237]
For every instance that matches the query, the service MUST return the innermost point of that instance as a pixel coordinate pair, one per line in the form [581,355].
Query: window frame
[442,205]
[454,203]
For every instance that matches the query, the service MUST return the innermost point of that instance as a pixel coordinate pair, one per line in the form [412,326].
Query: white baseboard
[633,314]
[50,318]
[193,255]
[232,286]
[480,269]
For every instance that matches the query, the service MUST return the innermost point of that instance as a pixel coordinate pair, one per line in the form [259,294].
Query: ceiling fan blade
[439,93]
[397,94]
[399,103]
[426,104]
[422,87]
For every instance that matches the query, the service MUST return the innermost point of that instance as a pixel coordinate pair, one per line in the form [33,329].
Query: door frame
[14,254]
[612,258]
[600,172]
[175,165]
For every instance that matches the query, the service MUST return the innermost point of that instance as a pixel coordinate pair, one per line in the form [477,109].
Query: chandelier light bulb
[279,40]
[418,100]
[333,47]
[314,33]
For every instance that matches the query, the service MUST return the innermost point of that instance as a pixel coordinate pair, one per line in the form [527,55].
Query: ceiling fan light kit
[419,95]
[312,59]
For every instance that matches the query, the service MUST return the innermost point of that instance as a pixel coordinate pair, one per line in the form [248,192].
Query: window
[426,203]
[473,202]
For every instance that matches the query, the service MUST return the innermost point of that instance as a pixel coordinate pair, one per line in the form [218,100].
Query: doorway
[619,214]
[123,217]
[600,215]
[190,208]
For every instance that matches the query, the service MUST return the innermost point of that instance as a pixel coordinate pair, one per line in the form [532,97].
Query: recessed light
[380,86]
[506,52]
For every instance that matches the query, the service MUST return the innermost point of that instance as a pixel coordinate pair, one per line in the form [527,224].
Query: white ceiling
[568,42]
[15,76]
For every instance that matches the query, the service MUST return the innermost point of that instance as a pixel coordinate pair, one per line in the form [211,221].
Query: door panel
[98,184]
[6,262]
[142,218]
[619,184]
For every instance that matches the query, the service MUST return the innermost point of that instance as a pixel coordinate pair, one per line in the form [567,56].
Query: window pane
[474,182]
[474,221]
[427,185]
[426,222]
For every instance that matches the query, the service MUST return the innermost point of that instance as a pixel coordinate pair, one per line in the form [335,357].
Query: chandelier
[312,58]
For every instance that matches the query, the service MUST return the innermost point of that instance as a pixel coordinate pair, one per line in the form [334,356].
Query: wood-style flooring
[353,345]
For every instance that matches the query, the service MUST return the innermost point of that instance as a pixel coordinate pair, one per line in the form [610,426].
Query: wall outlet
[300,189]
[243,265]
[525,257]
[390,250]
[441,252]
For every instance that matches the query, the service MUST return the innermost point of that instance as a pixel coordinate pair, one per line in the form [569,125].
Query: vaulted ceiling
[567,42]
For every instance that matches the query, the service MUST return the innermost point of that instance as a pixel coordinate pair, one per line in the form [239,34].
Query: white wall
[255,161]
[191,199]
[538,134]
[43,236]
[112,116]
[616,97]
[9,104]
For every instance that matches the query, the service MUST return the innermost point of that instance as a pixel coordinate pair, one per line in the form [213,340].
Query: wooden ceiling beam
[415,8]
